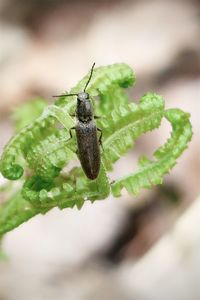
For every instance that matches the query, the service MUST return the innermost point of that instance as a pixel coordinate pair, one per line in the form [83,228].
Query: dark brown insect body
[87,140]
[86,134]
[88,148]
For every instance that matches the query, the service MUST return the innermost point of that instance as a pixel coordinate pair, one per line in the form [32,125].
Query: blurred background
[129,248]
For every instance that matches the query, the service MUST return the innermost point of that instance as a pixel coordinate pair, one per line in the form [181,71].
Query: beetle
[86,133]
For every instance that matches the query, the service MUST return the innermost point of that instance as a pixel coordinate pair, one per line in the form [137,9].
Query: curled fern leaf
[66,192]
[43,148]
[45,126]
[10,164]
[127,123]
[151,172]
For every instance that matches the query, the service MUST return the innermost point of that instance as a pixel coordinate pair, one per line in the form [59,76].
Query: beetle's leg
[100,138]
[99,117]
[74,114]
[70,133]
[113,181]
[77,153]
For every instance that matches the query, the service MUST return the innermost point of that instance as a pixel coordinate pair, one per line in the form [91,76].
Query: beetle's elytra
[86,134]
[88,148]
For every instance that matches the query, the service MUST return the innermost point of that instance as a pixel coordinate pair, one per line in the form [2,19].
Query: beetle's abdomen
[88,148]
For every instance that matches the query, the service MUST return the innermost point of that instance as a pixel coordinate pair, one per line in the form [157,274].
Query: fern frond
[151,172]
[43,148]
[127,123]
[45,125]
[10,164]
[68,192]
[71,190]
[114,97]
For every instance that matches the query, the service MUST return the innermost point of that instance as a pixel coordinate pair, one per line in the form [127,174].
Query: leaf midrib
[116,135]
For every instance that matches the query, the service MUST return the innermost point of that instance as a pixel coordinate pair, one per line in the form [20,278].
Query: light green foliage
[151,172]
[28,112]
[38,153]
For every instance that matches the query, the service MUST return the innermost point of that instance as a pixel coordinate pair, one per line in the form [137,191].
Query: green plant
[37,154]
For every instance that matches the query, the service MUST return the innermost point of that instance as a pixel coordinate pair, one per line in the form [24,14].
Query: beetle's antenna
[65,95]
[92,69]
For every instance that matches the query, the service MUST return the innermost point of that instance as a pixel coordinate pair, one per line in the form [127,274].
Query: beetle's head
[83,96]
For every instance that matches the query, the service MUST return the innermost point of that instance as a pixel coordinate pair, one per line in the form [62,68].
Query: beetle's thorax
[84,108]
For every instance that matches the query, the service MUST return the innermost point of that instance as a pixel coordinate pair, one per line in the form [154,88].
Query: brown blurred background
[132,248]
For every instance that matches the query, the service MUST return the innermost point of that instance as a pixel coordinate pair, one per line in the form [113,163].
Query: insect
[86,133]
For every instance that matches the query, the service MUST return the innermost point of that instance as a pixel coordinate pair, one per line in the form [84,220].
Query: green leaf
[47,124]
[151,172]
[42,148]
[26,113]
[67,192]
[127,123]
